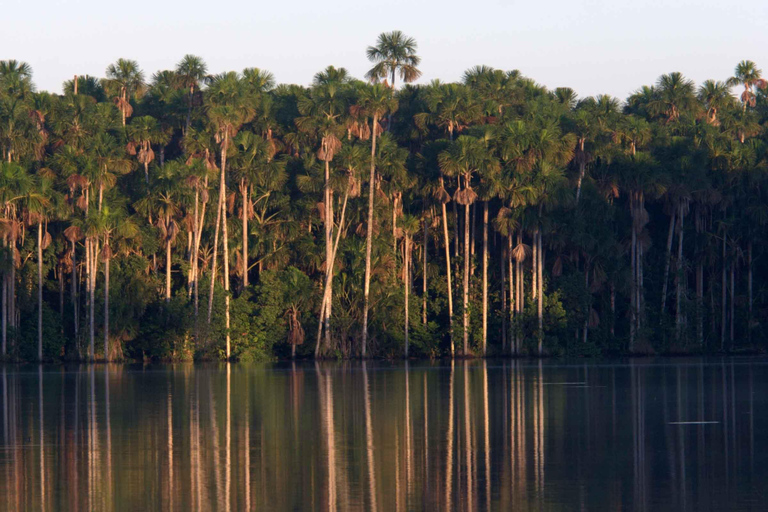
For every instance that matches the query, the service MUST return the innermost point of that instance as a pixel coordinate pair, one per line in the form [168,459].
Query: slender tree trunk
[424,276]
[73,291]
[733,301]
[329,276]
[670,236]
[329,301]
[485,278]
[466,280]
[749,290]
[196,256]
[512,297]
[246,208]
[168,269]
[407,275]
[680,277]
[540,294]
[107,260]
[534,263]
[448,272]
[369,235]
[40,291]
[723,320]
[504,313]
[225,239]
[92,300]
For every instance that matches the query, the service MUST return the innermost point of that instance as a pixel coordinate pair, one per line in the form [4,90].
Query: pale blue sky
[593,46]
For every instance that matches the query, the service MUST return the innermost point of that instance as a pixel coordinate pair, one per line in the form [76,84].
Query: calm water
[665,435]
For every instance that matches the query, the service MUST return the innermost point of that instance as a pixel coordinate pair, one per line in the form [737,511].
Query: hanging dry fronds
[130,148]
[106,253]
[465,196]
[321,211]
[557,267]
[73,233]
[46,240]
[231,202]
[442,195]
[594,319]
[295,330]
[146,155]
[521,252]
[204,196]
[82,203]
[354,186]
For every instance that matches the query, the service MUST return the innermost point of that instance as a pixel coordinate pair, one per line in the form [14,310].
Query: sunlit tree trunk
[246,212]
[107,258]
[466,280]
[407,274]
[540,294]
[680,277]
[40,291]
[670,236]
[448,269]
[485,277]
[369,234]
[424,276]
[168,267]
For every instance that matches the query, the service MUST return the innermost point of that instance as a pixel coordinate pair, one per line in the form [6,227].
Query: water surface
[676,434]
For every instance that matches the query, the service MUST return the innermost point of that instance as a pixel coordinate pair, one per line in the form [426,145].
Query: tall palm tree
[409,225]
[394,54]
[376,100]
[143,132]
[465,157]
[190,71]
[715,97]
[228,106]
[748,75]
[125,81]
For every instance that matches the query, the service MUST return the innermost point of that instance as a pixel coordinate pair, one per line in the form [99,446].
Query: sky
[593,46]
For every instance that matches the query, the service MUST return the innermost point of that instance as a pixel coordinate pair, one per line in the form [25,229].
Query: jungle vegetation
[224,216]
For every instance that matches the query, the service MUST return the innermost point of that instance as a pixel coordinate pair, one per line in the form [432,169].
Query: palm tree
[376,101]
[394,54]
[715,97]
[464,158]
[190,71]
[748,75]
[143,132]
[125,81]
[676,95]
[229,106]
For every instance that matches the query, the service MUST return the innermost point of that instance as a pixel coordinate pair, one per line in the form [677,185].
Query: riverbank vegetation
[198,215]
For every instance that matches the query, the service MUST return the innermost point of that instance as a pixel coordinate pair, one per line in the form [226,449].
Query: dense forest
[223,216]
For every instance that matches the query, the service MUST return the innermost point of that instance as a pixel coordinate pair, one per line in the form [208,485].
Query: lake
[662,434]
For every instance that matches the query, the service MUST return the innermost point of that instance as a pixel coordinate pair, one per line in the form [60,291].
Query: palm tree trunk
[92,300]
[512,294]
[424,276]
[369,235]
[503,261]
[466,280]
[670,236]
[733,301]
[39,291]
[106,302]
[5,314]
[329,302]
[167,269]
[225,238]
[749,290]
[73,291]
[534,263]
[582,170]
[327,294]
[723,320]
[540,294]
[680,276]
[246,207]
[485,278]
[199,230]
[407,276]
[448,269]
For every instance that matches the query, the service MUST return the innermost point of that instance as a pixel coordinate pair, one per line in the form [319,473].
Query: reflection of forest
[469,435]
